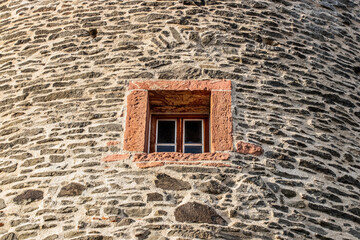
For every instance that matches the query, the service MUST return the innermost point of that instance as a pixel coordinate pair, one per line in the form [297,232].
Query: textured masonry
[67,68]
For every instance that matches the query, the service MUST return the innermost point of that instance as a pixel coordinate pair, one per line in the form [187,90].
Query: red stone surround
[136,131]
[249,148]
[191,85]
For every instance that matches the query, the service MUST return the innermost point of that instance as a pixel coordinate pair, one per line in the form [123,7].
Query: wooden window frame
[180,119]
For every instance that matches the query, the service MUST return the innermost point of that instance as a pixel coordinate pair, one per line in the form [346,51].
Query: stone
[138,212]
[52,237]
[193,212]
[136,120]
[249,148]
[347,179]
[71,189]
[125,222]
[29,196]
[288,193]
[9,169]
[94,237]
[221,121]
[116,157]
[188,85]
[166,182]
[151,197]
[175,156]
[27,227]
[213,187]
[112,211]
[106,128]
[2,204]
[9,236]
[150,164]
[74,93]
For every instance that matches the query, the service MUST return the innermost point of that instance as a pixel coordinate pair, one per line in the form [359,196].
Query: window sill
[144,160]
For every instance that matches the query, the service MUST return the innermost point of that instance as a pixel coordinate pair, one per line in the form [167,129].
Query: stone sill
[147,160]
[144,160]
[175,156]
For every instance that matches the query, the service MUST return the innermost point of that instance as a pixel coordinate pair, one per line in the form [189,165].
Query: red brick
[115,157]
[249,148]
[136,121]
[191,85]
[174,156]
[221,121]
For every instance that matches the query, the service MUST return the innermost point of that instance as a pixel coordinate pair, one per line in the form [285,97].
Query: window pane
[166,131]
[193,131]
[193,149]
[165,149]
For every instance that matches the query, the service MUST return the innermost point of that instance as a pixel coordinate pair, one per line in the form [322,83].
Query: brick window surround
[138,111]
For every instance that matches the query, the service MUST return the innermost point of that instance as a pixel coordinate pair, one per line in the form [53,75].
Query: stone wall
[64,72]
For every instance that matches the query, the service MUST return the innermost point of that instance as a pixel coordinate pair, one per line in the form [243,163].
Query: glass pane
[166,131]
[193,149]
[193,131]
[165,149]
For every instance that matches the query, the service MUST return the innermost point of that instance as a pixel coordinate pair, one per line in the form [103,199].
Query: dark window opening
[179,133]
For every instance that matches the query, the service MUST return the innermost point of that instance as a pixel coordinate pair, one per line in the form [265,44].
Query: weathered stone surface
[94,237]
[154,197]
[213,187]
[188,85]
[291,67]
[249,148]
[166,182]
[29,196]
[168,156]
[9,236]
[136,119]
[288,193]
[221,121]
[194,212]
[71,189]
[2,204]
[137,212]
[116,157]
[106,128]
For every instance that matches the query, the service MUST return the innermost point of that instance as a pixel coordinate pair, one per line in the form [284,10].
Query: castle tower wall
[65,68]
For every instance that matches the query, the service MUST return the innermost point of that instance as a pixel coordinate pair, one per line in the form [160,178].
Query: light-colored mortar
[294,67]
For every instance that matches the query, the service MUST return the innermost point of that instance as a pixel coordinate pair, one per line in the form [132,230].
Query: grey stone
[288,193]
[9,236]
[138,212]
[213,187]
[72,189]
[194,212]
[2,204]
[29,196]
[112,211]
[154,197]
[52,237]
[166,182]
[106,128]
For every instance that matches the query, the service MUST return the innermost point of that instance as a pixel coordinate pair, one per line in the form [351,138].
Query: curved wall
[64,71]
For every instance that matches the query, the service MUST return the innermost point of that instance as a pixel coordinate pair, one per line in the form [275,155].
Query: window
[179,133]
[182,108]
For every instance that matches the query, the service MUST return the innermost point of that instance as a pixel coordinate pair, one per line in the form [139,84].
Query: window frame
[157,134]
[202,135]
[179,131]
